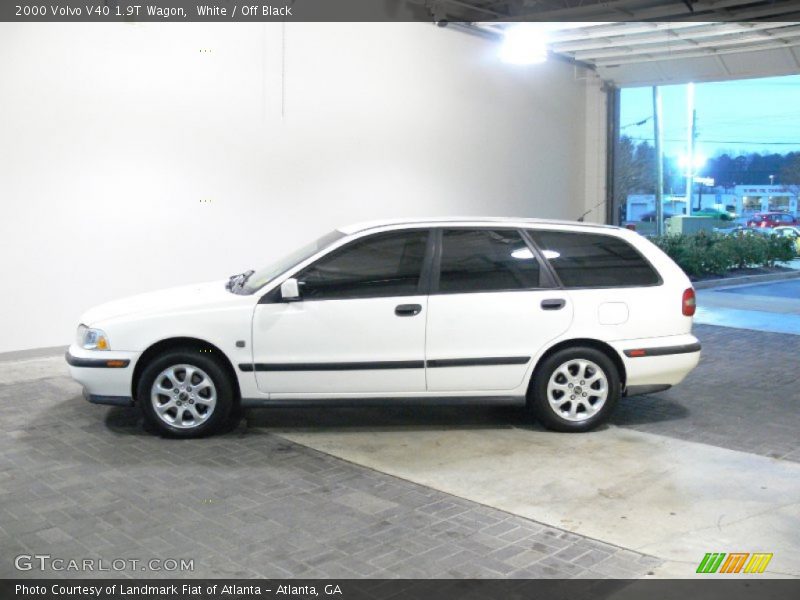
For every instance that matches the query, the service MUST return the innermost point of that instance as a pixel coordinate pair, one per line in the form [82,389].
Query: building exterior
[744,200]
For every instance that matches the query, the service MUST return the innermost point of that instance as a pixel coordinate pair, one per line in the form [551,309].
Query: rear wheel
[185,394]
[575,389]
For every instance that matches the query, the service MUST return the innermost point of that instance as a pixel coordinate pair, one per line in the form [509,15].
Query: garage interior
[138,156]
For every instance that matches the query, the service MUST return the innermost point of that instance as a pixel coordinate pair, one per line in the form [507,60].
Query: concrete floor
[668,498]
[712,465]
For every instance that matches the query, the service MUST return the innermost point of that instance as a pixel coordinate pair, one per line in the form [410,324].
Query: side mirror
[290,290]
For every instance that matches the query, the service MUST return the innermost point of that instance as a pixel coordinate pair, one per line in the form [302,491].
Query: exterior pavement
[773,307]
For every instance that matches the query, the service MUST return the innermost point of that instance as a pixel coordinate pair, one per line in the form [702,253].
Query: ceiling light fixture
[524,44]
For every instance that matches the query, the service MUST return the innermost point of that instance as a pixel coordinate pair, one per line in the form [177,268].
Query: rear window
[595,260]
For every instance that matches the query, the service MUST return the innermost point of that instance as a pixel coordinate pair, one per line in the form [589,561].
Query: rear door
[492,307]
[616,291]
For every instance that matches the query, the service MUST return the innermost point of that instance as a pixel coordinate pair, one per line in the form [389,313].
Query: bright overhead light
[524,44]
[698,161]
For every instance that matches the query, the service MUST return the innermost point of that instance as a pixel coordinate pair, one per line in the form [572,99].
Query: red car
[772,219]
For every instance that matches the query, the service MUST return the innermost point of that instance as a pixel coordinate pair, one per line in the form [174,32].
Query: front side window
[485,261]
[384,264]
[263,276]
[594,260]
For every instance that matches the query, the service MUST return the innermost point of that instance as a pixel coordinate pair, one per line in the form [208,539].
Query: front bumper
[108,400]
[106,376]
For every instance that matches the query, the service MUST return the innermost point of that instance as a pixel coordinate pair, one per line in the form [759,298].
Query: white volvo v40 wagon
[566,317]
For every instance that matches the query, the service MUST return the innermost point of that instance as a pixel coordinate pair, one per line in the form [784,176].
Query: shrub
[747,249]
[780,249]
[714,253]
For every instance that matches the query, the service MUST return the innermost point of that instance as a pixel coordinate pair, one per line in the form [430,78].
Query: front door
[491,311]
[359,327]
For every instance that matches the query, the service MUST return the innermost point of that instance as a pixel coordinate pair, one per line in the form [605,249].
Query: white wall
[112,134]
[595,151]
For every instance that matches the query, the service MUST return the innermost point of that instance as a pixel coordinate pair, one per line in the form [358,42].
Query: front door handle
[407,310]
[553,304]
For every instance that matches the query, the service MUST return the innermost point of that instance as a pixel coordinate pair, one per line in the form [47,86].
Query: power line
[752,143]
[637,123]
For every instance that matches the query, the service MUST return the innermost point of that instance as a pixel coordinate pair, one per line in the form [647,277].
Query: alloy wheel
[577,390]
[183,396]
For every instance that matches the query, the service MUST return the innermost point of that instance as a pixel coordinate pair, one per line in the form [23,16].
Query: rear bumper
[658,361]
[106,376]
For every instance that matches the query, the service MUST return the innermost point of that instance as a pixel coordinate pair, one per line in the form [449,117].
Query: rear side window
[485,261]
[591,260]
[384,264]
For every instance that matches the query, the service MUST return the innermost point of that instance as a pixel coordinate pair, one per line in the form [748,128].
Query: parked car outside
[650,217]
[742,230]
[772,219]
[714,213]
[792,231]
[564,317]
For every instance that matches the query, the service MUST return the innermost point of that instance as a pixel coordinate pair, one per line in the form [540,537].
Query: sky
[733,117]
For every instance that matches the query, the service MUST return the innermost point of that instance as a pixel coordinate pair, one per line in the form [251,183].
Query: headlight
[92,339]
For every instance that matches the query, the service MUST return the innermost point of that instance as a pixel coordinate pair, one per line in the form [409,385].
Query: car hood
[212,293]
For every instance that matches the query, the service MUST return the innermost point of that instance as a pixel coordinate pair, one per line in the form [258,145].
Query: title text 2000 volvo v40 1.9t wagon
[565,317]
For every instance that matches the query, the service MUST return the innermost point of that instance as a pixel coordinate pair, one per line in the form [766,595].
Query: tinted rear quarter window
[595,260]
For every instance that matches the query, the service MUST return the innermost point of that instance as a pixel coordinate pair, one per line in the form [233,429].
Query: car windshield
[263,276]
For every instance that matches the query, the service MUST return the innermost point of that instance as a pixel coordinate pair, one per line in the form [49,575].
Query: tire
[198,408]
[551,394]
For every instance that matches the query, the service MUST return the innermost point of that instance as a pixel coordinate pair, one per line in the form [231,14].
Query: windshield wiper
[236,281]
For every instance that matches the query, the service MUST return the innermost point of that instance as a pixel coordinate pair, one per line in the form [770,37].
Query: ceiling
[611,10]
[648,42]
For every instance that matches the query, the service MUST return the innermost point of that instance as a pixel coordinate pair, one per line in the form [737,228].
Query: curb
[730,281]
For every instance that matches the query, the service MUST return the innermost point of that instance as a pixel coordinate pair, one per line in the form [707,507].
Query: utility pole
[690,146]
[659,161]
[700,196]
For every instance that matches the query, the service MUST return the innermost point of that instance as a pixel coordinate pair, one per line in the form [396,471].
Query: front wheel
[185,394]
[575,389]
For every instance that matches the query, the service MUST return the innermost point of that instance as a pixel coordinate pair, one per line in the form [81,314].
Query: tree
[789,174]
[753,169]
[635,170]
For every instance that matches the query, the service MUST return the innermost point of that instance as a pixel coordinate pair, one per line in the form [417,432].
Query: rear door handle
[553,304]
[407,310]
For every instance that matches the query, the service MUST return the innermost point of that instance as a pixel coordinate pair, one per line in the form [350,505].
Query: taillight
[688,302]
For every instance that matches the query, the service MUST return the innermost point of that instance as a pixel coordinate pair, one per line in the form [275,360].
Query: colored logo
[734,562]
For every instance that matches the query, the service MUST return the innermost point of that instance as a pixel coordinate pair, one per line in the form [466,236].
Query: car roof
[473,221]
